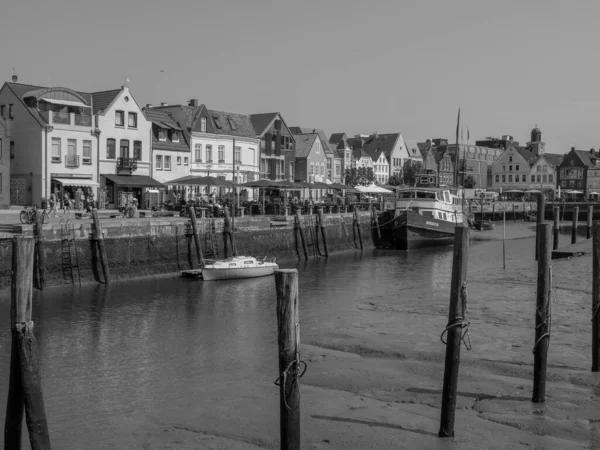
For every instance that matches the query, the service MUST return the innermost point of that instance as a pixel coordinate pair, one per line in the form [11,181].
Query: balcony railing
[127,163]
[72,161]
[62,118]
[83,121]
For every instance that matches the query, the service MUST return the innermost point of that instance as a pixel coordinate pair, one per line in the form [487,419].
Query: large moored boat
[422,217]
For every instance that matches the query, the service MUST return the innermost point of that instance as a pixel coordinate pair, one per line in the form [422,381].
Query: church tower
[536,146]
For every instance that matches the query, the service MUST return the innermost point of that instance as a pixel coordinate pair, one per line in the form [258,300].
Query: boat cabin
[430,202]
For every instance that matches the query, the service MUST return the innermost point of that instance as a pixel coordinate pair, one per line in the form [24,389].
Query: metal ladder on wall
[211,248]
[69,252]
[308,224]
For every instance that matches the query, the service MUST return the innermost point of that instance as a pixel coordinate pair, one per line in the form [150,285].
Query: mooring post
[504,239]
[25,391]
[596,298]
[296,226]
[99,237]
[514,213]
[542,315]
[556,227]
[456,322]
[358,230]
[590,215]
[575,225]
[196,235]
[494,211]
[317,232]
[302,239]
[288,333]
[539,219]
[321,221]
[40,257]
[375,222]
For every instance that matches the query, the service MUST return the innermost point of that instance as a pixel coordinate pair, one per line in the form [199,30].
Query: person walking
[67,204]
[53,211]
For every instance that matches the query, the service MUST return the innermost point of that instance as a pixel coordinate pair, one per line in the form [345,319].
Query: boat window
[427,213]
[407,194]
[421,194]
[247,262]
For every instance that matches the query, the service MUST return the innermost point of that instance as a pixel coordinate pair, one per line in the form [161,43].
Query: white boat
[238,267]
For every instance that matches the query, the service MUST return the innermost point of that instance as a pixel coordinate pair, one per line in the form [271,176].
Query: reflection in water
[162,346]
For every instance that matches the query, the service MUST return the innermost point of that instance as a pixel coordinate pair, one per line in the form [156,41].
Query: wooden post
[196,235]
[589,221]
[325,249]
[288,333]
[575,225]
[539,219]
[40,257]
[358,230]
[317,231]
[375,221]
[514,213]
[302,239]
[25,390]
[542,315]
[504,239]
[456,316]
[493,211]
[596,299]
[189,251]
[99,237]
[556,227]
[296,226]
[481,208]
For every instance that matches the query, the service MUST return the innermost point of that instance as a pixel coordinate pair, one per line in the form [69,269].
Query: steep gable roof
[304,143]
[377,144]
[162,119]
[324,142]
[336,138]
[586,158]
[102,100]
[554,159]
[261,122]
[232,124]
[412,148]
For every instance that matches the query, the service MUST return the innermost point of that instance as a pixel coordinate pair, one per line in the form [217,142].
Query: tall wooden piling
[575,225]
[504,239]
[296,226]
[542,315]
[357,227]
[556,227]
[25,390]
[456,317]
[321,221]
[317,248]
[39,266]
[596,298]
[99,237]
[539,219]
[288,332]
[302,238]
[375,223]
[196,235]
[590,216]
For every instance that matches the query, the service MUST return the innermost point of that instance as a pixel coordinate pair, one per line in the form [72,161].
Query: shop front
[122,190]
[76,189]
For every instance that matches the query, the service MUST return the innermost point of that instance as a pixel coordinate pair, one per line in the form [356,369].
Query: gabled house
[360,158]
[53,144]
[311,160]
[445,168]
[339,142]
[428,177]
[125,147]
[333,172]
[574,170]
[511,170]
[277,146]
[4,163]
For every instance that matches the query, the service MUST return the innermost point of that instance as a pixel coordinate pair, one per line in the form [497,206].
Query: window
[510,178]
[186,161]
[510,159]
[539,178]
[504,178]
[110,148]
[162,134]
[312,169]
[132,120]
[120,118]
[124,148]
[137,150]
[158,162]
[510,168]
[550,178]
[203,124]
[179,160]
[167,162]
[517,167]
[533,178]
[544,168]
[2,110]
[544,178]
[56,150]
[10,112]
[539,168]
[175,136]
[503,168]
[231,123]
[497,178]
[318,146]
[221,153]
[198,152]
[217,123]
[87,152]
[322,169]
[209,153]
[238,154]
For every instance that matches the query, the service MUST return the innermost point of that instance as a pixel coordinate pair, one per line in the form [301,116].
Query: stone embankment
[157,246]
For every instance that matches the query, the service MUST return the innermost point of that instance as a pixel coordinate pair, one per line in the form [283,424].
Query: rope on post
[461,322]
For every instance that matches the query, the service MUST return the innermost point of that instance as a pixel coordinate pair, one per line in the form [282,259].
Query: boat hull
[209,274]
[410,230]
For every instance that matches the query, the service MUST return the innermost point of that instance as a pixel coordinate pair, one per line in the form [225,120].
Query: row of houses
[55,140]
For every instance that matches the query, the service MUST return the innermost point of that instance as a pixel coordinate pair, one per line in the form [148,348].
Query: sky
[339,65]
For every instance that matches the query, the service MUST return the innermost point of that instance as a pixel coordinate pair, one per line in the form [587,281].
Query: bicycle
[27,216]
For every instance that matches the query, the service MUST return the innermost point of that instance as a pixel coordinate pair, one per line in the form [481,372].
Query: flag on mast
[457,124]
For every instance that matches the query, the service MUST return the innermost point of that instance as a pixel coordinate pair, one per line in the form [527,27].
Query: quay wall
[156,246]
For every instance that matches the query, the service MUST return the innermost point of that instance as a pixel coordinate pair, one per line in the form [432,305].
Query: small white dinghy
[238,267]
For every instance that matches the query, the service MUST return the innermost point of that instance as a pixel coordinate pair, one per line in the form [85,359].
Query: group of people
[87,203]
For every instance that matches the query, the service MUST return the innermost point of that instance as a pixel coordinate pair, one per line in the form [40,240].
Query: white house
[53,143]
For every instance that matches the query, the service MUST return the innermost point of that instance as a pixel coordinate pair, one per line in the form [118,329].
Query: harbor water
[123,364]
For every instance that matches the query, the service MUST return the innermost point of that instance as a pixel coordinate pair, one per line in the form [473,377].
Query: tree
[469,182]
[395,180]
[361,176]
[410,171]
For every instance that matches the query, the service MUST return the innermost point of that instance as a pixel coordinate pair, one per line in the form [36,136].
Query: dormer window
[175,136]
[203,124]
[162,134]
[217,123]
[231,123]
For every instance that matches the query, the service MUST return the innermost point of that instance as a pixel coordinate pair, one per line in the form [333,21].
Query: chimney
[148,105]
[573,148]
[164,104]
[193,102]
[14,76]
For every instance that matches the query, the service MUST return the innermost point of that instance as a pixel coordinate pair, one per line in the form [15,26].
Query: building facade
[277,147]
[311,161]
[574,170]
[473,161]
[4,163]
[339,143]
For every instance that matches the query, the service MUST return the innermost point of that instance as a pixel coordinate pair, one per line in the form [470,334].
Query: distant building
[474,161]
[4,163]
[498,143]
[311,160]
[277,146]
[334,160]
[576,170]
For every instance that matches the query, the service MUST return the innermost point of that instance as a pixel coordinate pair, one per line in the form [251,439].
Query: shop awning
[133,180]
[76,182]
